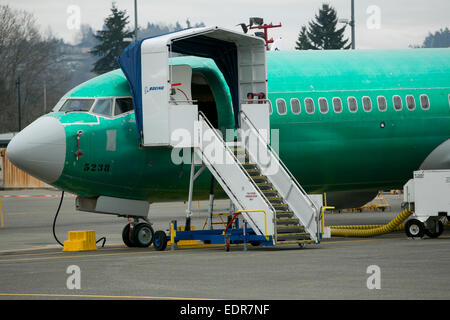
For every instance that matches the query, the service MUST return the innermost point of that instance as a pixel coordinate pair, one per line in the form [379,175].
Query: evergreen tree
[323,33]
[303,42]
[440,39]
[111,41]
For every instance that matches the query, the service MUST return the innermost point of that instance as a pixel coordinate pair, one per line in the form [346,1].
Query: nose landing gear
[141,234]
[138,234]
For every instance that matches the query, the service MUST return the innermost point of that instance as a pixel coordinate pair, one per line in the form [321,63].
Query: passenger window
[270,107]
[337,105]
[309,105]
[352,104]
[367,104]
[103,107]
[77,105]
[382,104]
[323,105]
[397,103]
[281,106]
[410,102]
[295,106]
[123,105]
[424,102]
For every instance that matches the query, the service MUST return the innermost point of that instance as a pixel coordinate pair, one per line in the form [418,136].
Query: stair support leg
[187,226]
[211,203]
[193,176]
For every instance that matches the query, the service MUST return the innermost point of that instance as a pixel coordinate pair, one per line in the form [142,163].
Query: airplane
[350,123]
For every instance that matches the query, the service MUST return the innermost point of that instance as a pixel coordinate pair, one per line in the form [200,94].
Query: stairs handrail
[269,147]
[202,115]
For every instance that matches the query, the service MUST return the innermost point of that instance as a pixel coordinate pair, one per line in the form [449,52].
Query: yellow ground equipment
[80,241]
[371,230]
[181,243]
[379,203]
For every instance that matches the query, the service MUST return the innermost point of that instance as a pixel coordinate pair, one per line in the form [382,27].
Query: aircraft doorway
[203,95]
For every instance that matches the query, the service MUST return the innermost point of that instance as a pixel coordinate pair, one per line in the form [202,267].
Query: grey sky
[401,22]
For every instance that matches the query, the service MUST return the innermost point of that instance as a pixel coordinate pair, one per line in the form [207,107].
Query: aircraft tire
[160,241]
[143,235]
[127,237]
[414,228]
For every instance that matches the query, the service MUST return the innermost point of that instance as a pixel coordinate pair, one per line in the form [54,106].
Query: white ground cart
[428,195]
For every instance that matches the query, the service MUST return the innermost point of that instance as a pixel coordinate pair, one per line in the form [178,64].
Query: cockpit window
[103,107]
[77,105]
[123,105]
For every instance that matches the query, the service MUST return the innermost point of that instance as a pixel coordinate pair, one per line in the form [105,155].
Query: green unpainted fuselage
[326,152]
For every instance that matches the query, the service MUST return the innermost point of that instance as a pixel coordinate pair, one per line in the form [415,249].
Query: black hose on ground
[54,224]
[104,241]
[56,215]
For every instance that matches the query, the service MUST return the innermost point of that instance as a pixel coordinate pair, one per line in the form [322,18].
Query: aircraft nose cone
[40,149]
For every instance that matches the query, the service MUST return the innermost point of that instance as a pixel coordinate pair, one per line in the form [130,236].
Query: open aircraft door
[159,111]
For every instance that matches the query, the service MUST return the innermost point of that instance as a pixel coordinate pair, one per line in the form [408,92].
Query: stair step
[264,184]
[259,177]
[287,221]
[284,211]
[284,214]
[281,236]
[280,205]
[250,171]
[249,164]
[291,228]
[265,191]
[295,241]
[275,198]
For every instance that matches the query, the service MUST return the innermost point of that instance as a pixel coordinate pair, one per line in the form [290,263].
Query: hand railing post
[323,218]
[173,232]
[245,235]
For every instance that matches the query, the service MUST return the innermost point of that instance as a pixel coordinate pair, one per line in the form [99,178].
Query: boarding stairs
[249,171]
[259,184]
